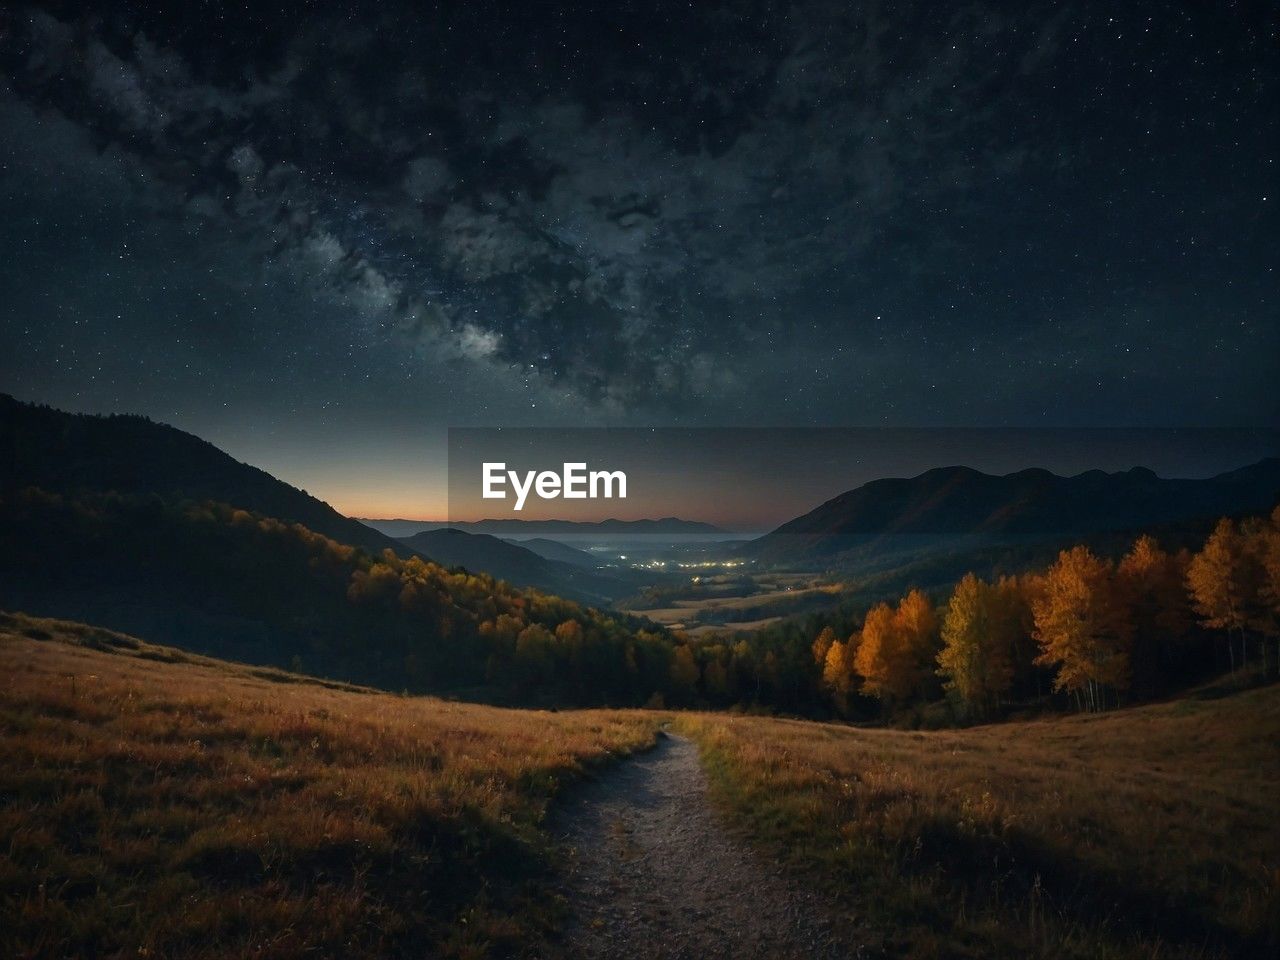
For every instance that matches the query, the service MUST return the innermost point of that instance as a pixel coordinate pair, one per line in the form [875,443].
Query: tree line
[228,582]
[1094,628]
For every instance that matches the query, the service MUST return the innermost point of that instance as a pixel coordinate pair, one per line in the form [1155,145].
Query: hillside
[133,456]
[518,564]
[161,803]
[555,550]
[231,583]
[1138,833]
[155,803]
[957,509]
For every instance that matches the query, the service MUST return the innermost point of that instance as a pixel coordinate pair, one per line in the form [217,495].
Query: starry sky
[319,234]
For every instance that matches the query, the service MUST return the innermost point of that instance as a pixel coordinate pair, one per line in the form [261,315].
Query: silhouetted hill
[555,550]
[78,453]
[517,565]
[400,529]
[959,508]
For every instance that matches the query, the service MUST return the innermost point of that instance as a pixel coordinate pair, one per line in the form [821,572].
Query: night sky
[319,234]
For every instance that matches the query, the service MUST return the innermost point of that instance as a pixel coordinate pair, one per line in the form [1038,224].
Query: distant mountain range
[953,507]
[72,453]
[925,529]
[532,528]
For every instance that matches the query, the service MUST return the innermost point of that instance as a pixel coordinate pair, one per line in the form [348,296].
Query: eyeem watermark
[573,482]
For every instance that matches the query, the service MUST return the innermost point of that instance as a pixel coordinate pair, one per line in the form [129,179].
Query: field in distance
[735,601]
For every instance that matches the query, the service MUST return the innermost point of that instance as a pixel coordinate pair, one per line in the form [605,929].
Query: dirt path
[653,874]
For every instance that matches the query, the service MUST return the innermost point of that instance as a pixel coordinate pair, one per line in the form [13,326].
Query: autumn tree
[1152,586]
[1012,624]
[533,659]
[877,660]
[1224,583]
[837,673]
[897,648]
[918,622]
[684,674]
[716,678]
[746,670]
[1081,628]
[976,657]
[822,643]
[1267,552]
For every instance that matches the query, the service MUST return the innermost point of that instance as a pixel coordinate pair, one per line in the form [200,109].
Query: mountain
[517,565]
[958,507]
[77,453]
[400,529]
[226,582]
[555,550]
[530,528]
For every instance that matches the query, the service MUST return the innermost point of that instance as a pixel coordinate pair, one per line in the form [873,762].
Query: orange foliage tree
[896,648]
[822,644]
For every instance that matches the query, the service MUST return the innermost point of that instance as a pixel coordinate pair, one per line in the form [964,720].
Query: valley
[732,603]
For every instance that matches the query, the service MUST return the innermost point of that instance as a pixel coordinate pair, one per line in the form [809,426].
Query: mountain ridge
[72,453]
[959,501]
[515,525]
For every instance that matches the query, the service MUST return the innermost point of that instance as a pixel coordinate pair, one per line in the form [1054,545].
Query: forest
[1085,633]
[235,584]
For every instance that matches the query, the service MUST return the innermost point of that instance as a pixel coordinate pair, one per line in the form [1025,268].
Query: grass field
[1151,832]
[154,803]
[743,603]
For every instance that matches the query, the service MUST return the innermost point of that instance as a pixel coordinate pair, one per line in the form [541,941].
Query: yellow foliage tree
[1218,578]
[976,657]
[837,673]
[1081,627]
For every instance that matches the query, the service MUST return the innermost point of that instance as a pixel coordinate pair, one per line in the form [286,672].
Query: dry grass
[154,803]
[1151,832]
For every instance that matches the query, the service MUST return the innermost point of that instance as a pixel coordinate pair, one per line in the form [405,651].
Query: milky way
[810,212]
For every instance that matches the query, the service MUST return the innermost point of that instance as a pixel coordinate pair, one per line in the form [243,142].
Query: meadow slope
[1145,832]
[157,803]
